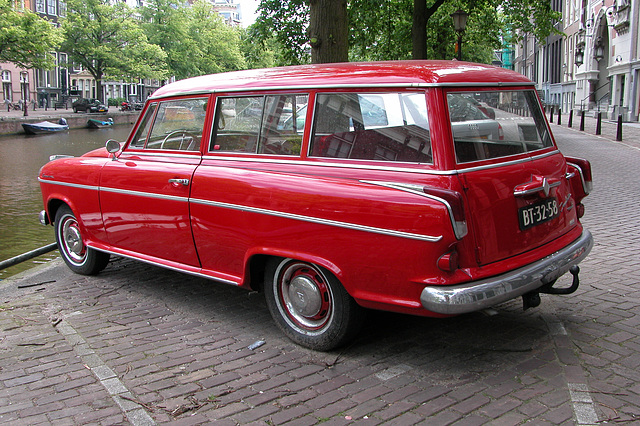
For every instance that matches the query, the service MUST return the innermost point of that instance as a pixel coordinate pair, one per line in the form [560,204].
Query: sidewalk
[609,128]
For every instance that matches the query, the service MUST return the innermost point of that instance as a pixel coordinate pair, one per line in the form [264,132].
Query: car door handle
[184,182]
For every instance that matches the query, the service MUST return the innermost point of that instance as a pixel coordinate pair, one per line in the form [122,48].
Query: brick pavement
[142,345]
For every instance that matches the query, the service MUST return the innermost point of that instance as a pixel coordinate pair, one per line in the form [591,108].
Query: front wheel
[78,257]
[310,305]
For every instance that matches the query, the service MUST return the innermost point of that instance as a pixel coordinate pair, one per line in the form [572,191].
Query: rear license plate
[535,214]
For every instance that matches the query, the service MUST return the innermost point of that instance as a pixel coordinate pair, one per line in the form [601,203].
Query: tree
[528,16]
[218,45]
[25,38]
[108,42]
[402,29]
[195,38]
[286,22]
[328,31]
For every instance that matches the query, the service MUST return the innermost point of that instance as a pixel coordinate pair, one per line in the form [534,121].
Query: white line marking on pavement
[583,405]
[136,415]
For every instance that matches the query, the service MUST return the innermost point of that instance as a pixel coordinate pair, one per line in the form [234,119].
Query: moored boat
[45,127]
[99,124]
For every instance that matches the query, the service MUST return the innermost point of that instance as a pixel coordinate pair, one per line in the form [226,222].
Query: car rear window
[494,124]
[372,126]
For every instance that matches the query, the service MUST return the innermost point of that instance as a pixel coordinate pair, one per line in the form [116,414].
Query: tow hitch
[532,299]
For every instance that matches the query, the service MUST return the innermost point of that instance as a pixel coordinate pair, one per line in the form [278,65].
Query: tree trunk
[421,17]
[419,30]
[328,31]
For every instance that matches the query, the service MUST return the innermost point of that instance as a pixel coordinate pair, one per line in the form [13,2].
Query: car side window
[372,126]
[177,125]
[271,124]
[140,138]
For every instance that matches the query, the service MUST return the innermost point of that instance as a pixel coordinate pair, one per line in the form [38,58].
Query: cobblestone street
[142,345]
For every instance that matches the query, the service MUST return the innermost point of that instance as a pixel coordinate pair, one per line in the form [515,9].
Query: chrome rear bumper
[477,295]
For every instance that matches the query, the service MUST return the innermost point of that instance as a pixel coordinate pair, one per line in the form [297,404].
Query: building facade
[595,65]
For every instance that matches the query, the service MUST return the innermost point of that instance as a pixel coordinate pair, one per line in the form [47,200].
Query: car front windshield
[494,124]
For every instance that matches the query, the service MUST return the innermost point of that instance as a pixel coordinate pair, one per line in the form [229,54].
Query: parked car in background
[333,188]
[89,105]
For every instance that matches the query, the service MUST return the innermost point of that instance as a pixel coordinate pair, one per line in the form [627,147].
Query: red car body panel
[369,222]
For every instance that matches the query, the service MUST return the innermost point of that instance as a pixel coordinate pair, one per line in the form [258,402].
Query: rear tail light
[584,167]
[455,205]
[580,210]
[448,262]
[500,132]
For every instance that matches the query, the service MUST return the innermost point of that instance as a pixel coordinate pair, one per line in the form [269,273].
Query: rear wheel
[310,305]
[78,257]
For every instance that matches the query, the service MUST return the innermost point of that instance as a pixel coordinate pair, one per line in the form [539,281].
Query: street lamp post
[459,24]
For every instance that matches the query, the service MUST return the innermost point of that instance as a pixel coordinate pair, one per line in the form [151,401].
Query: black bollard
[570,117]
[559,116]
[599,124]
[551,114]
[619,132]
[582,120]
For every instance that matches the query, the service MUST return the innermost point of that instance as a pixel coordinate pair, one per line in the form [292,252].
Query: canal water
[21,157]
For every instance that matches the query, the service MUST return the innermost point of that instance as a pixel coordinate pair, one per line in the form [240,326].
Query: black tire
[78,257]
[309,304]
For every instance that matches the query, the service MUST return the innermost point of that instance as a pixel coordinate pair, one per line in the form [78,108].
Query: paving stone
[175,339]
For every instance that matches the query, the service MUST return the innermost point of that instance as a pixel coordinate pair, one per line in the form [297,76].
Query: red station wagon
[430,188]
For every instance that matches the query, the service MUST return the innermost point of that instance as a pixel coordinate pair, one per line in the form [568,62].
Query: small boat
[99,124]
[45,127]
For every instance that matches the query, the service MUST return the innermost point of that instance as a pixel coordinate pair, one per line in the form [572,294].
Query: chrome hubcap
[304,296]
[73,240]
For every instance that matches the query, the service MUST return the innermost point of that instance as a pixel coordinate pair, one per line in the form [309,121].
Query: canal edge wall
[13,125]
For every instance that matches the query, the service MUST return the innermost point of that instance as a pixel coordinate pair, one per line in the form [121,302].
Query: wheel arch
[257,264]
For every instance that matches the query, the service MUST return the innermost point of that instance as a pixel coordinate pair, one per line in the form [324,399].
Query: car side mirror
[113,147]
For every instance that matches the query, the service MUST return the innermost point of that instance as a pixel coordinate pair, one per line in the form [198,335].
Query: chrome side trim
[138,257]
[509,163]
[144,194]
[585,185]
[160,154]
[460,229]
[307,163]
[328,222]
[72,185]
[261,211]
[477,295]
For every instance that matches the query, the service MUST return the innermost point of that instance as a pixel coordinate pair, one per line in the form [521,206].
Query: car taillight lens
[455,205]
[584,166]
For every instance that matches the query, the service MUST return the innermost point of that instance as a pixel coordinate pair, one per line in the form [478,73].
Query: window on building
[40,6]
[62,8]
[51,7]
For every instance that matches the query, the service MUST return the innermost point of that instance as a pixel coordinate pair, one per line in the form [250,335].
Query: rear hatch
[516,191]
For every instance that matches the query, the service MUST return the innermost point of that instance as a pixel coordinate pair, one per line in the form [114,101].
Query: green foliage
[381,29]
[284,22]
[25,38]
[194,38]
[116,101]
[257,54]
[107,41]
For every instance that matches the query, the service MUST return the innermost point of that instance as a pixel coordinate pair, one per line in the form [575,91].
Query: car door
[144,193]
